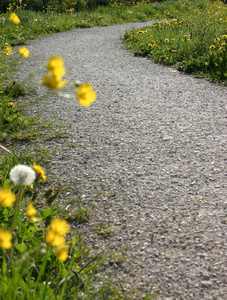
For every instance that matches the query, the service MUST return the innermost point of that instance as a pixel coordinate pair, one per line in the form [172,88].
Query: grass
[33,264]
[194,42]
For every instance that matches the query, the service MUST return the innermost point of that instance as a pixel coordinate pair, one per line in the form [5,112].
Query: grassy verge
[194,42]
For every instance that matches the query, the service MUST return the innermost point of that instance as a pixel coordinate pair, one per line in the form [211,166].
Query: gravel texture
[151,154]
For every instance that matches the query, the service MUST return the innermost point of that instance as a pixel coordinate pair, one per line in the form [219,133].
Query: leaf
[21,247]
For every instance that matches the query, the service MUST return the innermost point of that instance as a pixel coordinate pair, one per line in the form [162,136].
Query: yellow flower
[166,40]
[8,50]
[85,94]
[40,172]
[223,44]
[55,67]
[31,212]
[53,82]
[141,45]
[174,50]
[221,48]
[11,103]
[5,238]
[212,47]
[185,36]
[59,226]
[14,18]
[54,239]
[7,198]
[216,39]
[62,253]
[224,37]
[24,52]
[55,62]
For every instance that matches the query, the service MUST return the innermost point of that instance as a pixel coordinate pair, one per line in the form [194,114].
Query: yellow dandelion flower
[86,95]
[54,239]
[59,226]
[14,18]
[212,47]
[141,45]
[5,239]
[7,198]
[53,82]
[24,51]
[40,172]
[174,50]
[216,39]
[221,48]
[55,62]
[224,37]
[11,103]
[223,44]
[8,50]
[62,253]
[166,40]
[31,211]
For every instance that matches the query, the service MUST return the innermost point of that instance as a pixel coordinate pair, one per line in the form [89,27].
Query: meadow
[41,256]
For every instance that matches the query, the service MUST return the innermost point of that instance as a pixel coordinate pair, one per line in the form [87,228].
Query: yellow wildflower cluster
[31,212]
[8,50]
[86,95]
[55,237]
[24,52]
[40,172]
[14,18]
[55,67]
[5,239]
[7,198]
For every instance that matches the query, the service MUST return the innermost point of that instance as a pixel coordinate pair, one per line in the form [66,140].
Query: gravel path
[151,153]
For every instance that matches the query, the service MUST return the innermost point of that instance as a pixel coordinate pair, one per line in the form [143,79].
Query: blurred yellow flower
[54,239]
[141,45]
[5,239]
[24,51]
[221,48]
[55,67]
[11,103]
[166,40]
[223,44]
[55,62]
[59,226]
[216,39]
[31,212]
[62,253]
[14,18]
[40,172]
[224,37]
[7,198]
[212,47]
[54,83]
[8,50]
[86,95]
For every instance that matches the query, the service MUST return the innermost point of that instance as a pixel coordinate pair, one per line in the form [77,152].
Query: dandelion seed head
[22,175]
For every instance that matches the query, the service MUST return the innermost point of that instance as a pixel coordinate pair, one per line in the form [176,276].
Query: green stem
[16,207]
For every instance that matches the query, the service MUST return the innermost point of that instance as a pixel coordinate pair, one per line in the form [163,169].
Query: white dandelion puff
[22,175]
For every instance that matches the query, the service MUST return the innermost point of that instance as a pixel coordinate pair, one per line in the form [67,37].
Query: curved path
[151,154]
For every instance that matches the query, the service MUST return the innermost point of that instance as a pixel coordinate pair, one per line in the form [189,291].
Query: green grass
[194,42]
